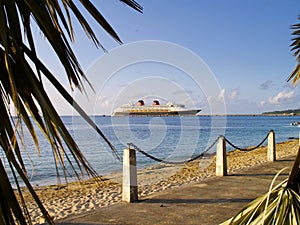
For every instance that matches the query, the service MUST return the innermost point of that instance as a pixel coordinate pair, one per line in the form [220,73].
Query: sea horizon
[168,138]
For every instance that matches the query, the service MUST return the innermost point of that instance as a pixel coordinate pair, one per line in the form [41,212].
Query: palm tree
[21,83]
[295,75]
[281,205]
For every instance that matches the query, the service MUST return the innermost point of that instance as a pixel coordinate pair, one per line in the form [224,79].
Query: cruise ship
[156,109]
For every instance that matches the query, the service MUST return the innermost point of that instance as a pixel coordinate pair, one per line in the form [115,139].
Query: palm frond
[21,81]
[133,4]
[294,177]
[295,47]
[281,205]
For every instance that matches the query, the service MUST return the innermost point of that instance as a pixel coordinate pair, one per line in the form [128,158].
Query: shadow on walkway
[207,203]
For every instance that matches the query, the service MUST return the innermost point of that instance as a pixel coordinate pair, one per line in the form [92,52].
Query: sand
[74,198]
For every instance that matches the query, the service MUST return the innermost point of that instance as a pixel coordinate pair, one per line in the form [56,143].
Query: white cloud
[222,94]
[229,96]
[262,103]
[234,94]
[104,101]
[281,97]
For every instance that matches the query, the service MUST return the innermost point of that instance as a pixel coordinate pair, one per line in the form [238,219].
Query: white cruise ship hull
[154,110]
[192,112]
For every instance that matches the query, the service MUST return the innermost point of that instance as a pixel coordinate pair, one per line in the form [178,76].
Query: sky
[223,56]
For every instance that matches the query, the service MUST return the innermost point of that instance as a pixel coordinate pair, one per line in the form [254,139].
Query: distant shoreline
[201,115]
[262,115]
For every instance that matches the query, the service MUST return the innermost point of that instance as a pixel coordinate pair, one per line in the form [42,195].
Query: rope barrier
[248,149]
[170,162]
[198,156]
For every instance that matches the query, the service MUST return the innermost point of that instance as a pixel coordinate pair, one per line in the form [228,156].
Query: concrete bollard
[130,187]
[271,154]
[221,162]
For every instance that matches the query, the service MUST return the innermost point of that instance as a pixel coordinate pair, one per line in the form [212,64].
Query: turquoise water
[168,138]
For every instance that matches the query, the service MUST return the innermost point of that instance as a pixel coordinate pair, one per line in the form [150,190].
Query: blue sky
[245,44]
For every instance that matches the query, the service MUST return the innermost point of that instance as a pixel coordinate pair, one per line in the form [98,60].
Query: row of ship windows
[149,110]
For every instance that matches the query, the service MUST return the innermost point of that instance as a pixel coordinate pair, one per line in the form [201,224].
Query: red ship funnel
[155,102]
[140,103]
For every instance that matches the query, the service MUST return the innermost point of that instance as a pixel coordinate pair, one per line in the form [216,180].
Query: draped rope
[131,145]
[248,149]
[171,162]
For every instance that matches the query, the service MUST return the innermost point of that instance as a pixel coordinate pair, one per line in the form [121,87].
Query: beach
[78,197]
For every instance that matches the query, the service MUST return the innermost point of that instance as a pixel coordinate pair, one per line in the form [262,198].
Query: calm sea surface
[168,138]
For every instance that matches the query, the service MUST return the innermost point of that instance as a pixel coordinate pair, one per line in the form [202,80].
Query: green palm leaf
[21,82]
[295,75]
[280,205]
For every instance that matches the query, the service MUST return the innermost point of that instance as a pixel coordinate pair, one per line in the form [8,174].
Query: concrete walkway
[210,202]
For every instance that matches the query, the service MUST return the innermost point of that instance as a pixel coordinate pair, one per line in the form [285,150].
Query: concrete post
[221,162]
[130,187]
[271,154]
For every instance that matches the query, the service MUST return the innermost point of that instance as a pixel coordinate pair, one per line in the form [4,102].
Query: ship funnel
[155,102]
[140,103]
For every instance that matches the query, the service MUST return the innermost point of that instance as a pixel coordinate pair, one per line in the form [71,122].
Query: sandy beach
[74,198]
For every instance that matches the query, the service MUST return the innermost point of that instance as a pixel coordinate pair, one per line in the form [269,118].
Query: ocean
[169,138]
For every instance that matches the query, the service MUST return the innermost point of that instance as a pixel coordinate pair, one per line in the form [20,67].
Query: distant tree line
[288,111]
